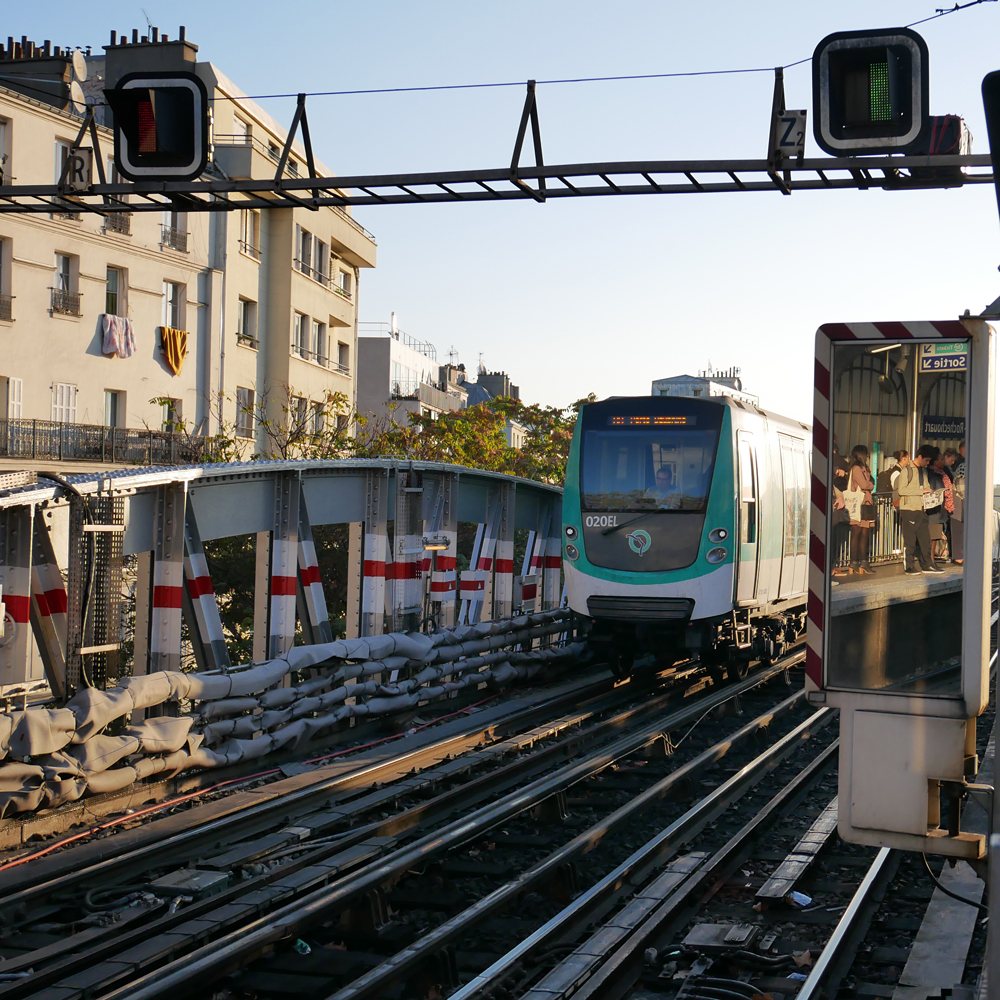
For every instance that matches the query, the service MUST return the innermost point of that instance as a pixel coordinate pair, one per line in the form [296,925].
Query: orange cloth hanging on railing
[173,343]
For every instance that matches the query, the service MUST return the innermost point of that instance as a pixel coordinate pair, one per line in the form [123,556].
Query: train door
[749,514]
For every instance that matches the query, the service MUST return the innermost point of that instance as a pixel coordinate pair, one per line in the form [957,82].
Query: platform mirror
[895,516]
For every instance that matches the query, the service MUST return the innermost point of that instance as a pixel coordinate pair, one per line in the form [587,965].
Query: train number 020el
[602,521]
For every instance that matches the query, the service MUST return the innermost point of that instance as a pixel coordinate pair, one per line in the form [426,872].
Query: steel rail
[585,907]
[116,860]
[440,186]
[853,921]
[72,957]
[615,974]
[234,948]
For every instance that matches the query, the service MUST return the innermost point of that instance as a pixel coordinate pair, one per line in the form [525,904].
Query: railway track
[149,938]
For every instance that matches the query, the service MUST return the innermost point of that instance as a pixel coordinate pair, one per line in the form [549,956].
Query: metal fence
[176,239]
[49,439]
[885,544]
[118,222]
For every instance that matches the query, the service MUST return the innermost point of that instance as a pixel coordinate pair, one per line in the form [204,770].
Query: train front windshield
[629,466]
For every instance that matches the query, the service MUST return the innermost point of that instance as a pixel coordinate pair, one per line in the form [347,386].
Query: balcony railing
[6,312]
[250,250]
[245,340]
[308,355]
[48,439]
[342,292]
[65,303]
[176,239]
[118,222]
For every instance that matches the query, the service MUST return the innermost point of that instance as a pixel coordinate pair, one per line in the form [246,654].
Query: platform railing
[885,541]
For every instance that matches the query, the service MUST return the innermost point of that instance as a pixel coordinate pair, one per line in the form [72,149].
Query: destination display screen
[660,420]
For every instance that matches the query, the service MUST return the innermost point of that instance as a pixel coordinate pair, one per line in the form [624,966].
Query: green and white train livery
[685,526]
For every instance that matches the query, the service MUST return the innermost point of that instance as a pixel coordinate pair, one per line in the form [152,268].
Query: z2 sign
[789,134]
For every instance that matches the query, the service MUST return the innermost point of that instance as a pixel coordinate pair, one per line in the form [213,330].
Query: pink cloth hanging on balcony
[119,336]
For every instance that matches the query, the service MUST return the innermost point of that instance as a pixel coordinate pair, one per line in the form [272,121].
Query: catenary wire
[520,83]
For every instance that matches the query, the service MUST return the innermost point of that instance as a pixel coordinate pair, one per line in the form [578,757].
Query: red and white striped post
[201,606]
[168,578]
[311,600]
[503,592]
[15,578]
[49,606]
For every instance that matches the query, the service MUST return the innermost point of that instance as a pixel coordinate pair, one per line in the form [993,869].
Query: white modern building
[706,383]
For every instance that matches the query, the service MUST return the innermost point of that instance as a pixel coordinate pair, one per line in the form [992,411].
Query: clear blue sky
[604,295]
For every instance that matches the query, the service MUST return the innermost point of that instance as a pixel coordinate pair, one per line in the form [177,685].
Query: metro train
[685,530]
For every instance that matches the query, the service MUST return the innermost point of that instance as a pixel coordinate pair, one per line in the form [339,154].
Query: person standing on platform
[887,478]
[939,516]
[860,479]
[912,486]
[955,463]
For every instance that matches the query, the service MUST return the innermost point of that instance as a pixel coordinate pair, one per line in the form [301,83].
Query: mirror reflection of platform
[890,585]
[898,631]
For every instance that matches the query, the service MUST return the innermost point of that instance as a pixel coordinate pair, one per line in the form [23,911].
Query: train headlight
[572,552]
[717,554]
[718,535]
[570,531]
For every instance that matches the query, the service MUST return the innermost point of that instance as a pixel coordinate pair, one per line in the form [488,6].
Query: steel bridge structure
[517,183]
[63,542]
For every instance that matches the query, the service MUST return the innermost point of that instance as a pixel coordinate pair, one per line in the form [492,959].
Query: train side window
[748,493]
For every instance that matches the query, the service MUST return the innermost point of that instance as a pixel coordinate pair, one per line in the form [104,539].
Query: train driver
[665,493]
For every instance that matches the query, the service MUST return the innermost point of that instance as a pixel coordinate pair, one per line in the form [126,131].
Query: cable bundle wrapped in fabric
[52,756]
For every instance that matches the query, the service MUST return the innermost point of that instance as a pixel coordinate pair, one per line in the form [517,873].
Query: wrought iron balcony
[65,303]
[6,302]
[176,239]
[245,340]
[49,439]
[118,222]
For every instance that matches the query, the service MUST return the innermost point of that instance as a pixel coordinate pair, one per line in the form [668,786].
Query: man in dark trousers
[912,484]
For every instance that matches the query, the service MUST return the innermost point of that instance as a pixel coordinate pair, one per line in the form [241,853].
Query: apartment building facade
[121,330]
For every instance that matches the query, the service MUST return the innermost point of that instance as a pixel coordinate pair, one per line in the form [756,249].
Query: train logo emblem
[639,541]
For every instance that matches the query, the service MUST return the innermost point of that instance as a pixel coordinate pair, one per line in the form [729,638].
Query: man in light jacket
[911,486]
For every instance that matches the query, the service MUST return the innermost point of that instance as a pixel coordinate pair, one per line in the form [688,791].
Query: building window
[114,408]
[322,260]
[6,299]
[64,402]
[303,250]
[242,131]
[344,356]
[300,335]
[342,422]
[318,418]
[173,415]
[244,412]
[4,152]
[173,231]
[63,147]
[15,398]
[274,151]
[250,232]
[65,298]
[319,342]
[300,412]
[174,295]
[114,295]
[246,323]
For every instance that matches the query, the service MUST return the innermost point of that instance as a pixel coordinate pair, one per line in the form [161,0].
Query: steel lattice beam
[505,183]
